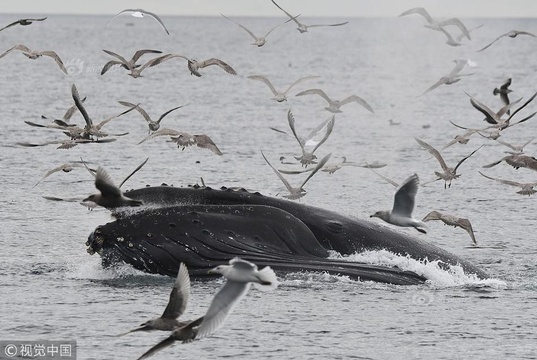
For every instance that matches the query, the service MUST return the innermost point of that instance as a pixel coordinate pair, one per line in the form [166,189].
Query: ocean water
[51,289]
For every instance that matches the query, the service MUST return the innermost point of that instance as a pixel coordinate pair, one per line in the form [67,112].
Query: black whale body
[204,227]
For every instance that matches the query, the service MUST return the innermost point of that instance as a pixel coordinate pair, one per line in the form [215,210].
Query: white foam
[437,273]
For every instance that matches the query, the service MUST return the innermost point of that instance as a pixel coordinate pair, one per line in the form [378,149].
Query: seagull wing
[291,120]
[119,57]
[359,100]
[205,142]
[264,80]
[338,24]
[299,81]
[139,54]
[80,105]
[243,27]
[506,182]
[421,11]
[291,16]
[329,127]
[491,116]
[13,23]
[138,108]
[319,166]
[161,132]
[285,182]
[154,16]
[133,172]
[56,58]
[104,183]
[315,91]
[464,159]
[179,295]
[442,81]
[221,306]
[109,64]
[218,62]
[403,203]
[169,111]
[434,153]
[498,38]
[16,47]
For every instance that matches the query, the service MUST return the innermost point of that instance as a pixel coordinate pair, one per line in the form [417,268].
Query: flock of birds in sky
[241,274]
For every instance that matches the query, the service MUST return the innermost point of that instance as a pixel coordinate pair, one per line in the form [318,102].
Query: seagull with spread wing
[302,28]
[278,95]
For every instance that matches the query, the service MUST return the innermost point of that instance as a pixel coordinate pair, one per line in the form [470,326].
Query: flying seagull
[437,25]
[67,167]
[504,91]
[258,40]
[334,105]
[453,77]
[403,205]
[297,193]
[512,34]
[280,96]
[109,196]
[448,173]
[314,139]
[452,221]
[240,275]
[30,54]
[195,65]
[525,188]
[22,22]
[140,13]
[153,125]
[302,28]
[184,139]
[176,306]
[135,69]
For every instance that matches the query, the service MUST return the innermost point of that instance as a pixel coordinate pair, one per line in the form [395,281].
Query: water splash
[438,273]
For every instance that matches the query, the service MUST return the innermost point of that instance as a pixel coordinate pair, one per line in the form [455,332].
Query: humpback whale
[203,227]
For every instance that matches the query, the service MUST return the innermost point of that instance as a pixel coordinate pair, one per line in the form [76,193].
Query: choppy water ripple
[52,289]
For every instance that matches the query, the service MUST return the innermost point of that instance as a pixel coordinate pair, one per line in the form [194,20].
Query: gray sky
[343,8]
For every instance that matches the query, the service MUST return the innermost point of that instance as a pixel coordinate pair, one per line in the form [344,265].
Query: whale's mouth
[95,241]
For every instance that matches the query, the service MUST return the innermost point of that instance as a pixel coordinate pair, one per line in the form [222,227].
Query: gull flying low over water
[312,139]
[448,173]
[297,193]
[517,149]
[67,167]
[495,118]
[176,306]
[135,69]
[258,40]
[140,13]
[30,54]
[332,168]
[525,188]
[195,65]
[92,129]
[403,205]
[461,139]
[334,105]
[302,28]
[504,91]
[240,275]
[438,25]
[110,195]
[453,77]
[280,96]
[512,34]
[64,121]
[517,161]
[153,125]
[23,22]
[67,143]
[184,139]
[452,221]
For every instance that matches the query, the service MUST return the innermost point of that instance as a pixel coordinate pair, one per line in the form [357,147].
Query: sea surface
[52,289]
